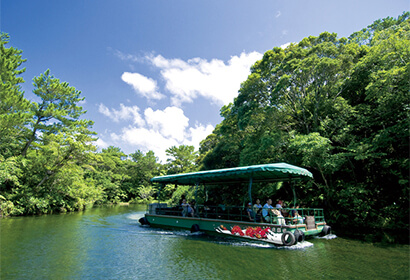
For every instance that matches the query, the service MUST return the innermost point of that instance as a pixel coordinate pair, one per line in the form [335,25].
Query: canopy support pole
[196,191]
[294,193]
[250,189]
[159,193]
[250,197]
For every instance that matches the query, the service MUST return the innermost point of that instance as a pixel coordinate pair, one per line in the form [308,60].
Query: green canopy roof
[265,172]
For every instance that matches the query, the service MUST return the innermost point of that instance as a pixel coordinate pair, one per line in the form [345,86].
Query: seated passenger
[250,212]
[257,209]
[181,199]
[280,206]
[193,206]
[279,217]
[296,217]
[267,210]
[187,209]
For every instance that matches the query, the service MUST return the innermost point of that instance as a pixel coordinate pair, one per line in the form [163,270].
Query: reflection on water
[109,243]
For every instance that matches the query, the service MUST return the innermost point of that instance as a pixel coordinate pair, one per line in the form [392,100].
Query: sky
[155,74]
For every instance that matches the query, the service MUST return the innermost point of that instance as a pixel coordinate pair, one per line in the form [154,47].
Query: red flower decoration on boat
[257,232]
[250,232]
[237,230]
[253,232]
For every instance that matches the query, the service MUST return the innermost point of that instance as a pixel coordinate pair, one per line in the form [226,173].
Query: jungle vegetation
[336,106]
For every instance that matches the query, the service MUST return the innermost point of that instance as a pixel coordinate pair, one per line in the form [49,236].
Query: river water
[109,243]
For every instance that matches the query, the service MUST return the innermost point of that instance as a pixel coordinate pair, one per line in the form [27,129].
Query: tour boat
[281,226]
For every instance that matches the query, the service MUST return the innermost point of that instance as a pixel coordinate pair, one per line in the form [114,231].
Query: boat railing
[291,216]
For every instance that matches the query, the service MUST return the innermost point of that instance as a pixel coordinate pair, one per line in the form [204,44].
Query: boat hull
[263,232]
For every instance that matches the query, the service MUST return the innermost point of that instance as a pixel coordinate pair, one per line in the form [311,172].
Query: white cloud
[142,85]
[125,57]
[170,122]
[215,80]
[185,80]
[125,113]
[158,131]
[147,139]
[199,133]
[284,46]
[101,144]
[104,110]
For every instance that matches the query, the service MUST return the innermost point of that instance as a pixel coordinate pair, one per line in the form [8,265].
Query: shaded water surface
[109,243]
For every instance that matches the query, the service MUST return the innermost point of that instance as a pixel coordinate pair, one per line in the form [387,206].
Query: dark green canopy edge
[272,172]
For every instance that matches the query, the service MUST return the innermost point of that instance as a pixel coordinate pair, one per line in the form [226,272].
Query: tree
[379,142]
[59,137]
[181,159]
[299,86]
[221,149]
[14,108]
[142,168]
[296,90]
[366,35]
[110,173]
[339,107]
[58,109]
[48,146]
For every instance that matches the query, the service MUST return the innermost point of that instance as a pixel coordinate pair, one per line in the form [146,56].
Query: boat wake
[255,244]
[298,246]
[246,244]
[135,216]
[176,233]
[198,233]
[328,237]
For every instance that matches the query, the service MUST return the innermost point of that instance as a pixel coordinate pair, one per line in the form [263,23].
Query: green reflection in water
[335,259]
[109,243]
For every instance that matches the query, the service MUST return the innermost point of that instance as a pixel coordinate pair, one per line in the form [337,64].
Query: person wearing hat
[249,210]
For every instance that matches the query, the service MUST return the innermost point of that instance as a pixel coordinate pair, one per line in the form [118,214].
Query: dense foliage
[48,160]
[336,106]
[339,107]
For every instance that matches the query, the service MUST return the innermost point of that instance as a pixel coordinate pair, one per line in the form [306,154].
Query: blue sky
[155,74]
